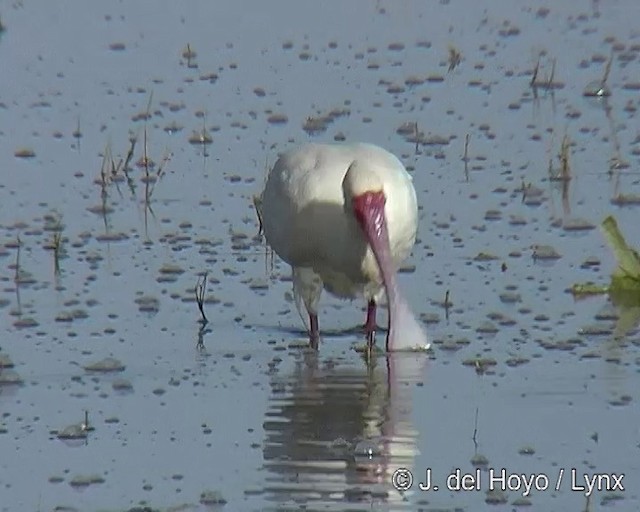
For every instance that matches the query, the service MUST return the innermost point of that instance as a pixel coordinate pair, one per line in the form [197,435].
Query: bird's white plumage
[304,219]
[344,216]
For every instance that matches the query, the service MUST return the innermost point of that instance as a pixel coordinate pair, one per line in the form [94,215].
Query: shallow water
[238,407]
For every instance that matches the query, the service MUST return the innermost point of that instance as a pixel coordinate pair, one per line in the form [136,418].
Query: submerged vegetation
[624,287]
[117,170]
[626,276]
[200,293]
[625,280]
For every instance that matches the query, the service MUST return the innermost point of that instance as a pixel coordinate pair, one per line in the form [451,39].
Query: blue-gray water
[251,415]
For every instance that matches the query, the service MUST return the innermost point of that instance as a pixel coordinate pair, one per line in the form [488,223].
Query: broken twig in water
[57,248]
[455,58]
[200,291]
[475,430]
[534,76]
[16,277]
[465,157]
[447,304]
[257,204]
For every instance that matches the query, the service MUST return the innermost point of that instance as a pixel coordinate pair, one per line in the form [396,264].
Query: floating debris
[517,220]
[597,89]
[147,304]
[122,385]
[200,138]
[495,497]
[10,378]
[487,328]
[622,400]
[5,361]
[315,125]
[173,127]
[112,237]
[189,53]
[117,47]
[408,128]
[277,119]
[584,289]
[608,312]
[545,252]
[533,196]
[479,461]
[85,480]
[77,430]
[598,329]
[493,215]
[108,364]
[24,153]
[452,345]
[212,78]
[485,256]
[430,318]
[64,316]
[590,262]
[510,297]
[26,322]
[568,345]
[626,200]
[259,284]
[209,498]
[100,209]
[502,319]
[25,277]
[395,89]
[171,269]
[577,225]
[516,361]
[413,81]
[455,58]
[481,364]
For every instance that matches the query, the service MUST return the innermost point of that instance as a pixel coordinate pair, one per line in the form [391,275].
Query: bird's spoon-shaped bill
[405,333]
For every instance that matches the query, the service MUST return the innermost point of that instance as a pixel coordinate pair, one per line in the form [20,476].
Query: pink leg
[370,325]
[314,332]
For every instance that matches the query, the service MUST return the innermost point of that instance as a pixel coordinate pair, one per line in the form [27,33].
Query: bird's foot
[314,341]
[371,338]
[371,343]
[370,324]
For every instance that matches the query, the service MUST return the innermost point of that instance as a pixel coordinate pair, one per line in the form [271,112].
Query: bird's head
[364,198]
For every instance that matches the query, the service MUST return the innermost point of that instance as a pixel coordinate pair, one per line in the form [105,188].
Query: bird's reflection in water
[336,432]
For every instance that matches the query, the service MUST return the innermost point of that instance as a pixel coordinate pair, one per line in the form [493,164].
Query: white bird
[344,216]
